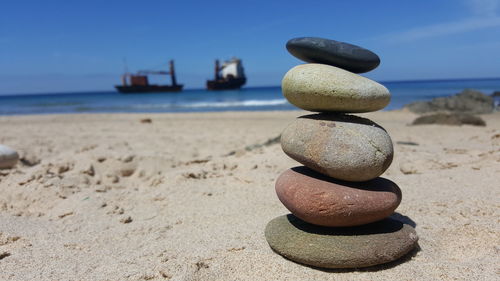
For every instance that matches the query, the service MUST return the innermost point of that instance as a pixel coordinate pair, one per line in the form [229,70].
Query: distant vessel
[138,83]
[230,75]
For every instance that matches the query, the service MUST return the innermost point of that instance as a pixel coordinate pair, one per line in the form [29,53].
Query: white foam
[247,103]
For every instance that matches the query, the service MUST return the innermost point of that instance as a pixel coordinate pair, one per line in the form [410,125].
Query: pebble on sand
[8,157]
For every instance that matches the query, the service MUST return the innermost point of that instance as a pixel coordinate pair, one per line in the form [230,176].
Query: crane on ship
[139,82]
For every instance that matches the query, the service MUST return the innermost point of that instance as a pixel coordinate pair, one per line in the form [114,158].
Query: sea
[245,99]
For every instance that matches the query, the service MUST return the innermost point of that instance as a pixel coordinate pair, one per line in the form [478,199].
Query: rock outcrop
[468,101]
[453,119]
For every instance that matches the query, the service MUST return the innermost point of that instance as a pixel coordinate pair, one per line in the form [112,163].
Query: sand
[180,198]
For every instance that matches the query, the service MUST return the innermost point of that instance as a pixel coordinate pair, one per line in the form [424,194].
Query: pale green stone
[325,88]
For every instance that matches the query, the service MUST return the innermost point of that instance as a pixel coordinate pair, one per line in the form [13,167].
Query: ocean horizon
[201,100]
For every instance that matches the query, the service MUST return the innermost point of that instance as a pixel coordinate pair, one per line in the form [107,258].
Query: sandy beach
[187,197]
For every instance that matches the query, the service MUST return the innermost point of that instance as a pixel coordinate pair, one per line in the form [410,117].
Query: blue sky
[60,46]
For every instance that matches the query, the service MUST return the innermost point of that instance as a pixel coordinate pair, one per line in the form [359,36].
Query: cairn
[340,206]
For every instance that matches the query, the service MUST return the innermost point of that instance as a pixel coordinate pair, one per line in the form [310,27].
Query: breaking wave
[216,104]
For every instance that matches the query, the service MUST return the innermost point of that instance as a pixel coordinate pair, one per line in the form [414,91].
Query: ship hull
[148,89]
[229,84]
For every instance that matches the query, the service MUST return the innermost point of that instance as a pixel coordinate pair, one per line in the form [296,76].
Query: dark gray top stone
[340,247]
[343,55]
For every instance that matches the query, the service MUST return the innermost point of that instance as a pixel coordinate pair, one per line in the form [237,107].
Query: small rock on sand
[407,143]
[408,168]
[29,159]
[4,255]
[126,220]
[8,157]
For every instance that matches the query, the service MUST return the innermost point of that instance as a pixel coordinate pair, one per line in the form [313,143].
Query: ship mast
[125,73]
[172,73]
[217,70]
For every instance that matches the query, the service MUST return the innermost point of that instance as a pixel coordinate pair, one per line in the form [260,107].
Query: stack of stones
[340,206]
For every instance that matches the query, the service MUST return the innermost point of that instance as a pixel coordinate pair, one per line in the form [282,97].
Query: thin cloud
[441,29]
[484,14]
[483,8]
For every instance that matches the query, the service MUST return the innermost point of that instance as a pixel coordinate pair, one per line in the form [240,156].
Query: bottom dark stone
[340,247]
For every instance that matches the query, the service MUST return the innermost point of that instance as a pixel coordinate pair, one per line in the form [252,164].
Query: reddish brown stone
[325,201]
